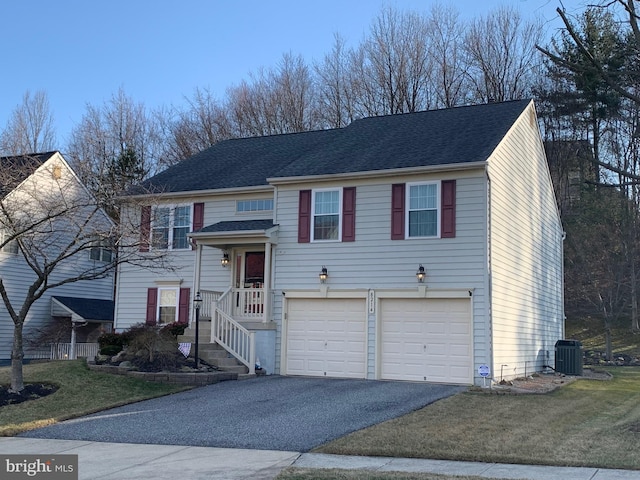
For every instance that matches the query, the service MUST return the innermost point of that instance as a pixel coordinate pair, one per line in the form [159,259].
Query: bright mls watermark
[50,467]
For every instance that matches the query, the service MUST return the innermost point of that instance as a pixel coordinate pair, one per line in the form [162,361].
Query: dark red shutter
[152,306]
[304,217]
[397,211]
[448,216]
[183,305]
[198,219]
[145,228]
[349,214]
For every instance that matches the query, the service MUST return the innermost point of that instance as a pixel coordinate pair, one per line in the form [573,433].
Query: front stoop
[212,353]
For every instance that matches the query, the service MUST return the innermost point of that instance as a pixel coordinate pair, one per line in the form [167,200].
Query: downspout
[489,285]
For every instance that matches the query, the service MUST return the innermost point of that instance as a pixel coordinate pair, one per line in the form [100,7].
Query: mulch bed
[32,391]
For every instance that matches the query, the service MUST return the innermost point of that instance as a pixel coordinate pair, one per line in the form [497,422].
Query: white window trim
[101,248]
[313,213]
[172,210]
[177,305]
[438,185]
[11,248]
[249,211]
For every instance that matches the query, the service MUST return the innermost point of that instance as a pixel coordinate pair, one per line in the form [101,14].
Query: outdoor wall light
[323,274]
[420,274]
[224,261]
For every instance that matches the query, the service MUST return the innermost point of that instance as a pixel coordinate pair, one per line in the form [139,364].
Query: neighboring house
[75,303]
[422,247]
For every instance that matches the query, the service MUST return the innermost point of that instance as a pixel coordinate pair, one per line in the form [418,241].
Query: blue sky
[82,51]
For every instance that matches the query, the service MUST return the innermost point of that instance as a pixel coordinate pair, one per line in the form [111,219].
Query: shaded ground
[31,391]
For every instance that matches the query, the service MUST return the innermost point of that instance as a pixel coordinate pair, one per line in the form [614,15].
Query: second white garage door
[427,340]
[326,337]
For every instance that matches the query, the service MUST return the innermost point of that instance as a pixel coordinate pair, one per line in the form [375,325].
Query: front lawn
[80,392]
[586,423]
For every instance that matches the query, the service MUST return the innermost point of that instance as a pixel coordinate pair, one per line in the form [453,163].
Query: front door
[249,269]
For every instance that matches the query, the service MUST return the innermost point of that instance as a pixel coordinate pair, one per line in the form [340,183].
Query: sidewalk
[111,461]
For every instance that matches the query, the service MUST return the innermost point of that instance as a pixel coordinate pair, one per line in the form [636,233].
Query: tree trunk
[635,327]
[607,341]
[17,355]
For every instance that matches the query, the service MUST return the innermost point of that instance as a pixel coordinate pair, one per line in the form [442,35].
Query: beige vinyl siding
[133,282]
[526,254]
[17,276]
[374,261]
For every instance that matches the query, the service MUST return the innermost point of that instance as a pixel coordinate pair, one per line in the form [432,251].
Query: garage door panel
[334,333]
[426,339]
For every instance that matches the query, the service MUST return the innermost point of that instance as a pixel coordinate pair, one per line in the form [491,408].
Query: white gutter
[393,172]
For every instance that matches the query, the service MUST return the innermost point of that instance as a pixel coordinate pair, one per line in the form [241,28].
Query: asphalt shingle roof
[17,168]
[436,137]
[238,226]
[89,308]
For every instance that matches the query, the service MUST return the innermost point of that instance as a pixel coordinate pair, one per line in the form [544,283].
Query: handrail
[233,337]
[209,297]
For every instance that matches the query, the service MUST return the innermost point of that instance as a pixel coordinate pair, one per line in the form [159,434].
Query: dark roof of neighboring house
[238,226]
[435,137]
[16,169]
[89,308]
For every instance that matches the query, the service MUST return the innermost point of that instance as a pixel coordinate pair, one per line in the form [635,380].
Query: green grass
[590,332]
[81,392]
[293,473]
[586,423]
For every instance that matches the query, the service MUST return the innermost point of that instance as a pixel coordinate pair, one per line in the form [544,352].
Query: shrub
[175,328]
[111,343]
[152,349]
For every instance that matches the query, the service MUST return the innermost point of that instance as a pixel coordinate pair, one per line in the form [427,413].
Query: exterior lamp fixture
[197,303]
[224,261]
[420,274]
[323,274]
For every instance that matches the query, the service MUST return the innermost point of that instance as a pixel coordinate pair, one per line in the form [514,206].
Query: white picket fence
[62,351]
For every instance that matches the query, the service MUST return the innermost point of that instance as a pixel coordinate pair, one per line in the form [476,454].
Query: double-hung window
[167,305]
[9,247]
[101,252]
[327,207]
[422,212]
[170,226]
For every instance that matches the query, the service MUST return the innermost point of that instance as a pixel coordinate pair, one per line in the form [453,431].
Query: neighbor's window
[167,305]
[422,214]
[101,252]
[169,227]
[262,205]
[326,214]
[10,247]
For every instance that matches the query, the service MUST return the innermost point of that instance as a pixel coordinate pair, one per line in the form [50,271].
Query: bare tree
[275,101]
[187,131]
[335,97]
[53,222]
[449,70]
[30,127]
[501,50]
[115,146]
[397,62]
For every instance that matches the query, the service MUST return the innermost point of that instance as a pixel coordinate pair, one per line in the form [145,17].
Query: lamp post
[197,303]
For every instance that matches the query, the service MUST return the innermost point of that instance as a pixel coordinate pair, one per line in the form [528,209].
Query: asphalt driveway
[270,413]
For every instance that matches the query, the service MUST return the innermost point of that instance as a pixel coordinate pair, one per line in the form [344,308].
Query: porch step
[212,353]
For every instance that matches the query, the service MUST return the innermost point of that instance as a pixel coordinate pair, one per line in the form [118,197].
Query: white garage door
[427,340]
[326,337]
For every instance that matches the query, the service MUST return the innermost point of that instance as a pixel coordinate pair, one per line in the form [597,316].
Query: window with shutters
[167,305]
[326,208]
[422,210]
[170,225]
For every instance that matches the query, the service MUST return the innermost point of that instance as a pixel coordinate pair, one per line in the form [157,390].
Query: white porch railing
[232,336]
[62,351]
[249,303]
[209,297]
